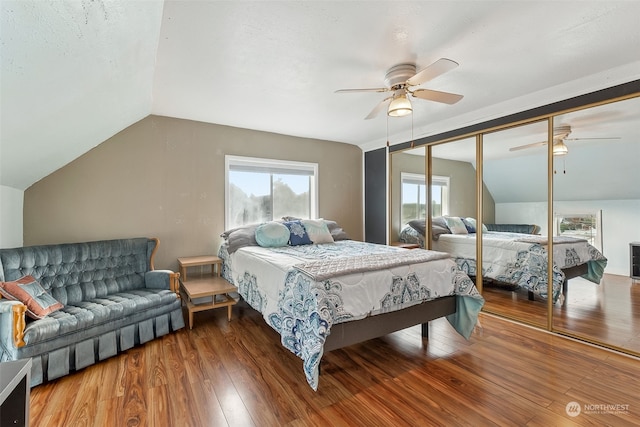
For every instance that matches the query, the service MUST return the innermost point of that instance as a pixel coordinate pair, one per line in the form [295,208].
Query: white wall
[619,224]
[11,203]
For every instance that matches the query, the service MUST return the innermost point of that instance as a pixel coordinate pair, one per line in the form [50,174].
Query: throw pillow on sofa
[29,292]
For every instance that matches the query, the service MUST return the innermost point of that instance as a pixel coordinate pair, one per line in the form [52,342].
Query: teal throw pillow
[272,235]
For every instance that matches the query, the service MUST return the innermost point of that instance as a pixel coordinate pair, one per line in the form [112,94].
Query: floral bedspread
[303,310]
[522,260]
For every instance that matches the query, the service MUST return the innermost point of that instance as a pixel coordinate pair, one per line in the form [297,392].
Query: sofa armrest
[162,279]
[12,323]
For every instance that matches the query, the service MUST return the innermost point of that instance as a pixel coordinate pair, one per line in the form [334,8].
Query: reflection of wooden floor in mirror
[609,312]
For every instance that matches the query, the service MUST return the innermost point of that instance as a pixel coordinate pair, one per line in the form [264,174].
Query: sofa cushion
[29,292]
[79,316]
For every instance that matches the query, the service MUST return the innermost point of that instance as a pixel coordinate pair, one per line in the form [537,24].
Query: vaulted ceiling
[74,73]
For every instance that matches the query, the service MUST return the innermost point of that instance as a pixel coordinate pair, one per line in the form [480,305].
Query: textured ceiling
[75,73]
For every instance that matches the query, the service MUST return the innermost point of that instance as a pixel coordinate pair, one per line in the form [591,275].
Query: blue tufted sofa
[112,299]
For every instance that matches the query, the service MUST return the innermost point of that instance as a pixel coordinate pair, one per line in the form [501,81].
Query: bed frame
[349,333]
[569,273]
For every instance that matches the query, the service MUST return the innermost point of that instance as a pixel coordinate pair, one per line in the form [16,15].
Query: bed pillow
[317,230]
[474,224]
[439,220]
[420,225]
[299,235]
[240,237]
[438,227]
[456,225]
[272,235]
[437,230]
[471,227]
[29,292]
[336,231]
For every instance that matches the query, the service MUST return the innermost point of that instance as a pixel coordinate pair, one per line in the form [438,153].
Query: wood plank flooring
[237,373]
[608,312]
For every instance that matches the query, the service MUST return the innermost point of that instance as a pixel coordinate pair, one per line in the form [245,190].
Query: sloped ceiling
[75,73]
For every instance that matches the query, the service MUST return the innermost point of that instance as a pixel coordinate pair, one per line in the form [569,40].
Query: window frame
[443,181]
[274,166]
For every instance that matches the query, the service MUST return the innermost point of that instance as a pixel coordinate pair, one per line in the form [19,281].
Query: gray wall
[164,177]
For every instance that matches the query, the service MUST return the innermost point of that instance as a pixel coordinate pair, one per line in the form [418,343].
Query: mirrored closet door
[514,172]
[596,197]
[408,197]
[553,178]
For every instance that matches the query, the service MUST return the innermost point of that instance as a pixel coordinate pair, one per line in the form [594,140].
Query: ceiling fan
[401,79]
[560,134]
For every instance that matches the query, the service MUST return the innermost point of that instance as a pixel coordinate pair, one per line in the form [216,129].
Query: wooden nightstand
[195,261]
[205,292]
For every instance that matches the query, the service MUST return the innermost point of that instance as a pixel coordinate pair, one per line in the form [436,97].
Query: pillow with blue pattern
[298,234]
[28,291]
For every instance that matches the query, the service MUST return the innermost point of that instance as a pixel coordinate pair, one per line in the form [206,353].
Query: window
[414,196]
[440,195]
[260,190]
[586,225]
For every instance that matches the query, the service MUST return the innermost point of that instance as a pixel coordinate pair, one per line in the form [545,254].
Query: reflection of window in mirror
[414,196]
[439,195]
[585,225]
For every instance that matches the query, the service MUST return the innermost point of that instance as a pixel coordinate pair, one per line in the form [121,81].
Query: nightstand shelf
[204,291]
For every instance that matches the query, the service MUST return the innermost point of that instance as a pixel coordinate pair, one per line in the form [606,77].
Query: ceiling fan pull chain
[388,145]
[412,131]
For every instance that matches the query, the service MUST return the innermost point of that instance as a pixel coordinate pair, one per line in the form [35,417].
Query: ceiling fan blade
[378,108]
[437,96]
[439,67]
[377,89]
[522,147]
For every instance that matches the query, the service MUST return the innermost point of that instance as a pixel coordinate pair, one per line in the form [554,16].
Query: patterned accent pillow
[299,235]
[471,226]
[317,230]
[29,292]
[474,224]
[456,225]
[272,235]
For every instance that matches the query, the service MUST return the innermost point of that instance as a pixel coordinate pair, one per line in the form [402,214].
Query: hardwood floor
[608,312]
[238,374]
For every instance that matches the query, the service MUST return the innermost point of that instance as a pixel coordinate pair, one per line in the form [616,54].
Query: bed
[516,259]
[320,297]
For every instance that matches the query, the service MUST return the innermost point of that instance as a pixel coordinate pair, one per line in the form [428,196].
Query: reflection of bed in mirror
[513,260]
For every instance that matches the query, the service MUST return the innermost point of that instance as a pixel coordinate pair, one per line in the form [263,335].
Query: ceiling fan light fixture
[400,106]
[560,149]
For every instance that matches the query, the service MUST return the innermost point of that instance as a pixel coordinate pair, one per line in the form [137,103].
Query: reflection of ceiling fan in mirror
[560,134]
[401,80]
